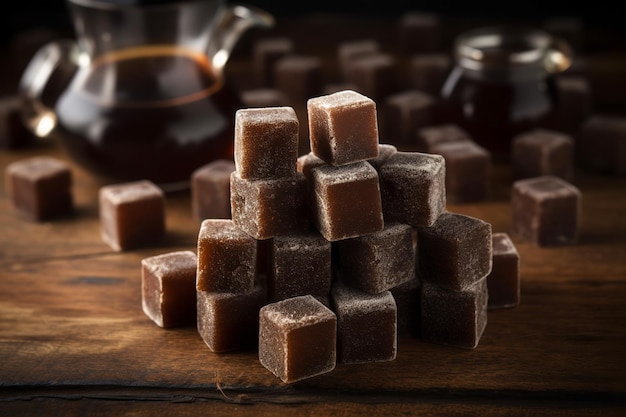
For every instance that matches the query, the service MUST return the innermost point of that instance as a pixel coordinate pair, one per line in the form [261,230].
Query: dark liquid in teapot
[152,113]
[493,112]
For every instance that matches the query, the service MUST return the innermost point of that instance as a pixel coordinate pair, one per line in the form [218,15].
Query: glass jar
[503,83]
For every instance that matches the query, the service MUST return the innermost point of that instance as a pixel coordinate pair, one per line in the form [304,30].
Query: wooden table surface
[74,340]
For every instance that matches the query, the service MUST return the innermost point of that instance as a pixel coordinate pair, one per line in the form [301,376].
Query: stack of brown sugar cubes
[319,263]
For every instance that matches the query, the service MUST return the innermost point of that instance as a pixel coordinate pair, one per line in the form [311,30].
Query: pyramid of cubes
[330,255]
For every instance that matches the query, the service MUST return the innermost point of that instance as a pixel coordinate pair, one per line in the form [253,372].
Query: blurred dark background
[21,15]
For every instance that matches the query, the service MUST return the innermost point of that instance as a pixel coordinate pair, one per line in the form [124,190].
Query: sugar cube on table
[300,264]
[210,190]
[266,142]
[226,257]
[366,325]
[266,52]
[349,51]
[546,210]
[346,201]
[429,136]
[299,77]
[428,72]
[374,75]
[412,188]
[230,321]
[132,214]
[575,101]
[542,151]
[503,282]
[343,127]
[468,171]
[601,144]
[455,252]
[39,188]
[269,207]
[405,112]
[377,261]
[455,318]
[297,338]
[168,288]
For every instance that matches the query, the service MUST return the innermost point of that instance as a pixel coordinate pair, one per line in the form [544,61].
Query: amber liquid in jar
[152,113]
[503,84]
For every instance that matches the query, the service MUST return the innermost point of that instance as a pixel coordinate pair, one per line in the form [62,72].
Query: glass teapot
[141,93]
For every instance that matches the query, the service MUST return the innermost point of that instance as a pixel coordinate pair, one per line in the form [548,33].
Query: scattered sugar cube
[546,210]
[39,188]
[132,214]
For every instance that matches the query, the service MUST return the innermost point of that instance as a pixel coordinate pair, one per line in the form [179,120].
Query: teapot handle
[231,24]
[44,79]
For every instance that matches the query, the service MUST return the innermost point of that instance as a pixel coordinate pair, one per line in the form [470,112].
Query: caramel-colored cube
[297,338]
[226,257]
[132,214]
[168,288]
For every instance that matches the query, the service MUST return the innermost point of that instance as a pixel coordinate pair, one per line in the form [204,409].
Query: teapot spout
[232,24]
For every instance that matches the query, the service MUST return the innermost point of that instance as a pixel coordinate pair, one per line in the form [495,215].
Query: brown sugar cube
[13,133]
[542,152]
[299,77]
[297,338]
[601,144]
[210,190]
[378,261]
[428,72]
[455,318]
[264,97]
[349,51]
[132,214]
[366,325]
[419,32]
[268,208]
[168,288]
[266,142]
[455,252]
[343,127]
[408,304]
[347,201]
[428,137]
[546,210]
[412,188]
[39,188]
[575,101]
[503,282]
[374,75]
[230,321]
[226,257]
[468,171]
[266,52]
[299,265]
[385,150]
[405,112]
